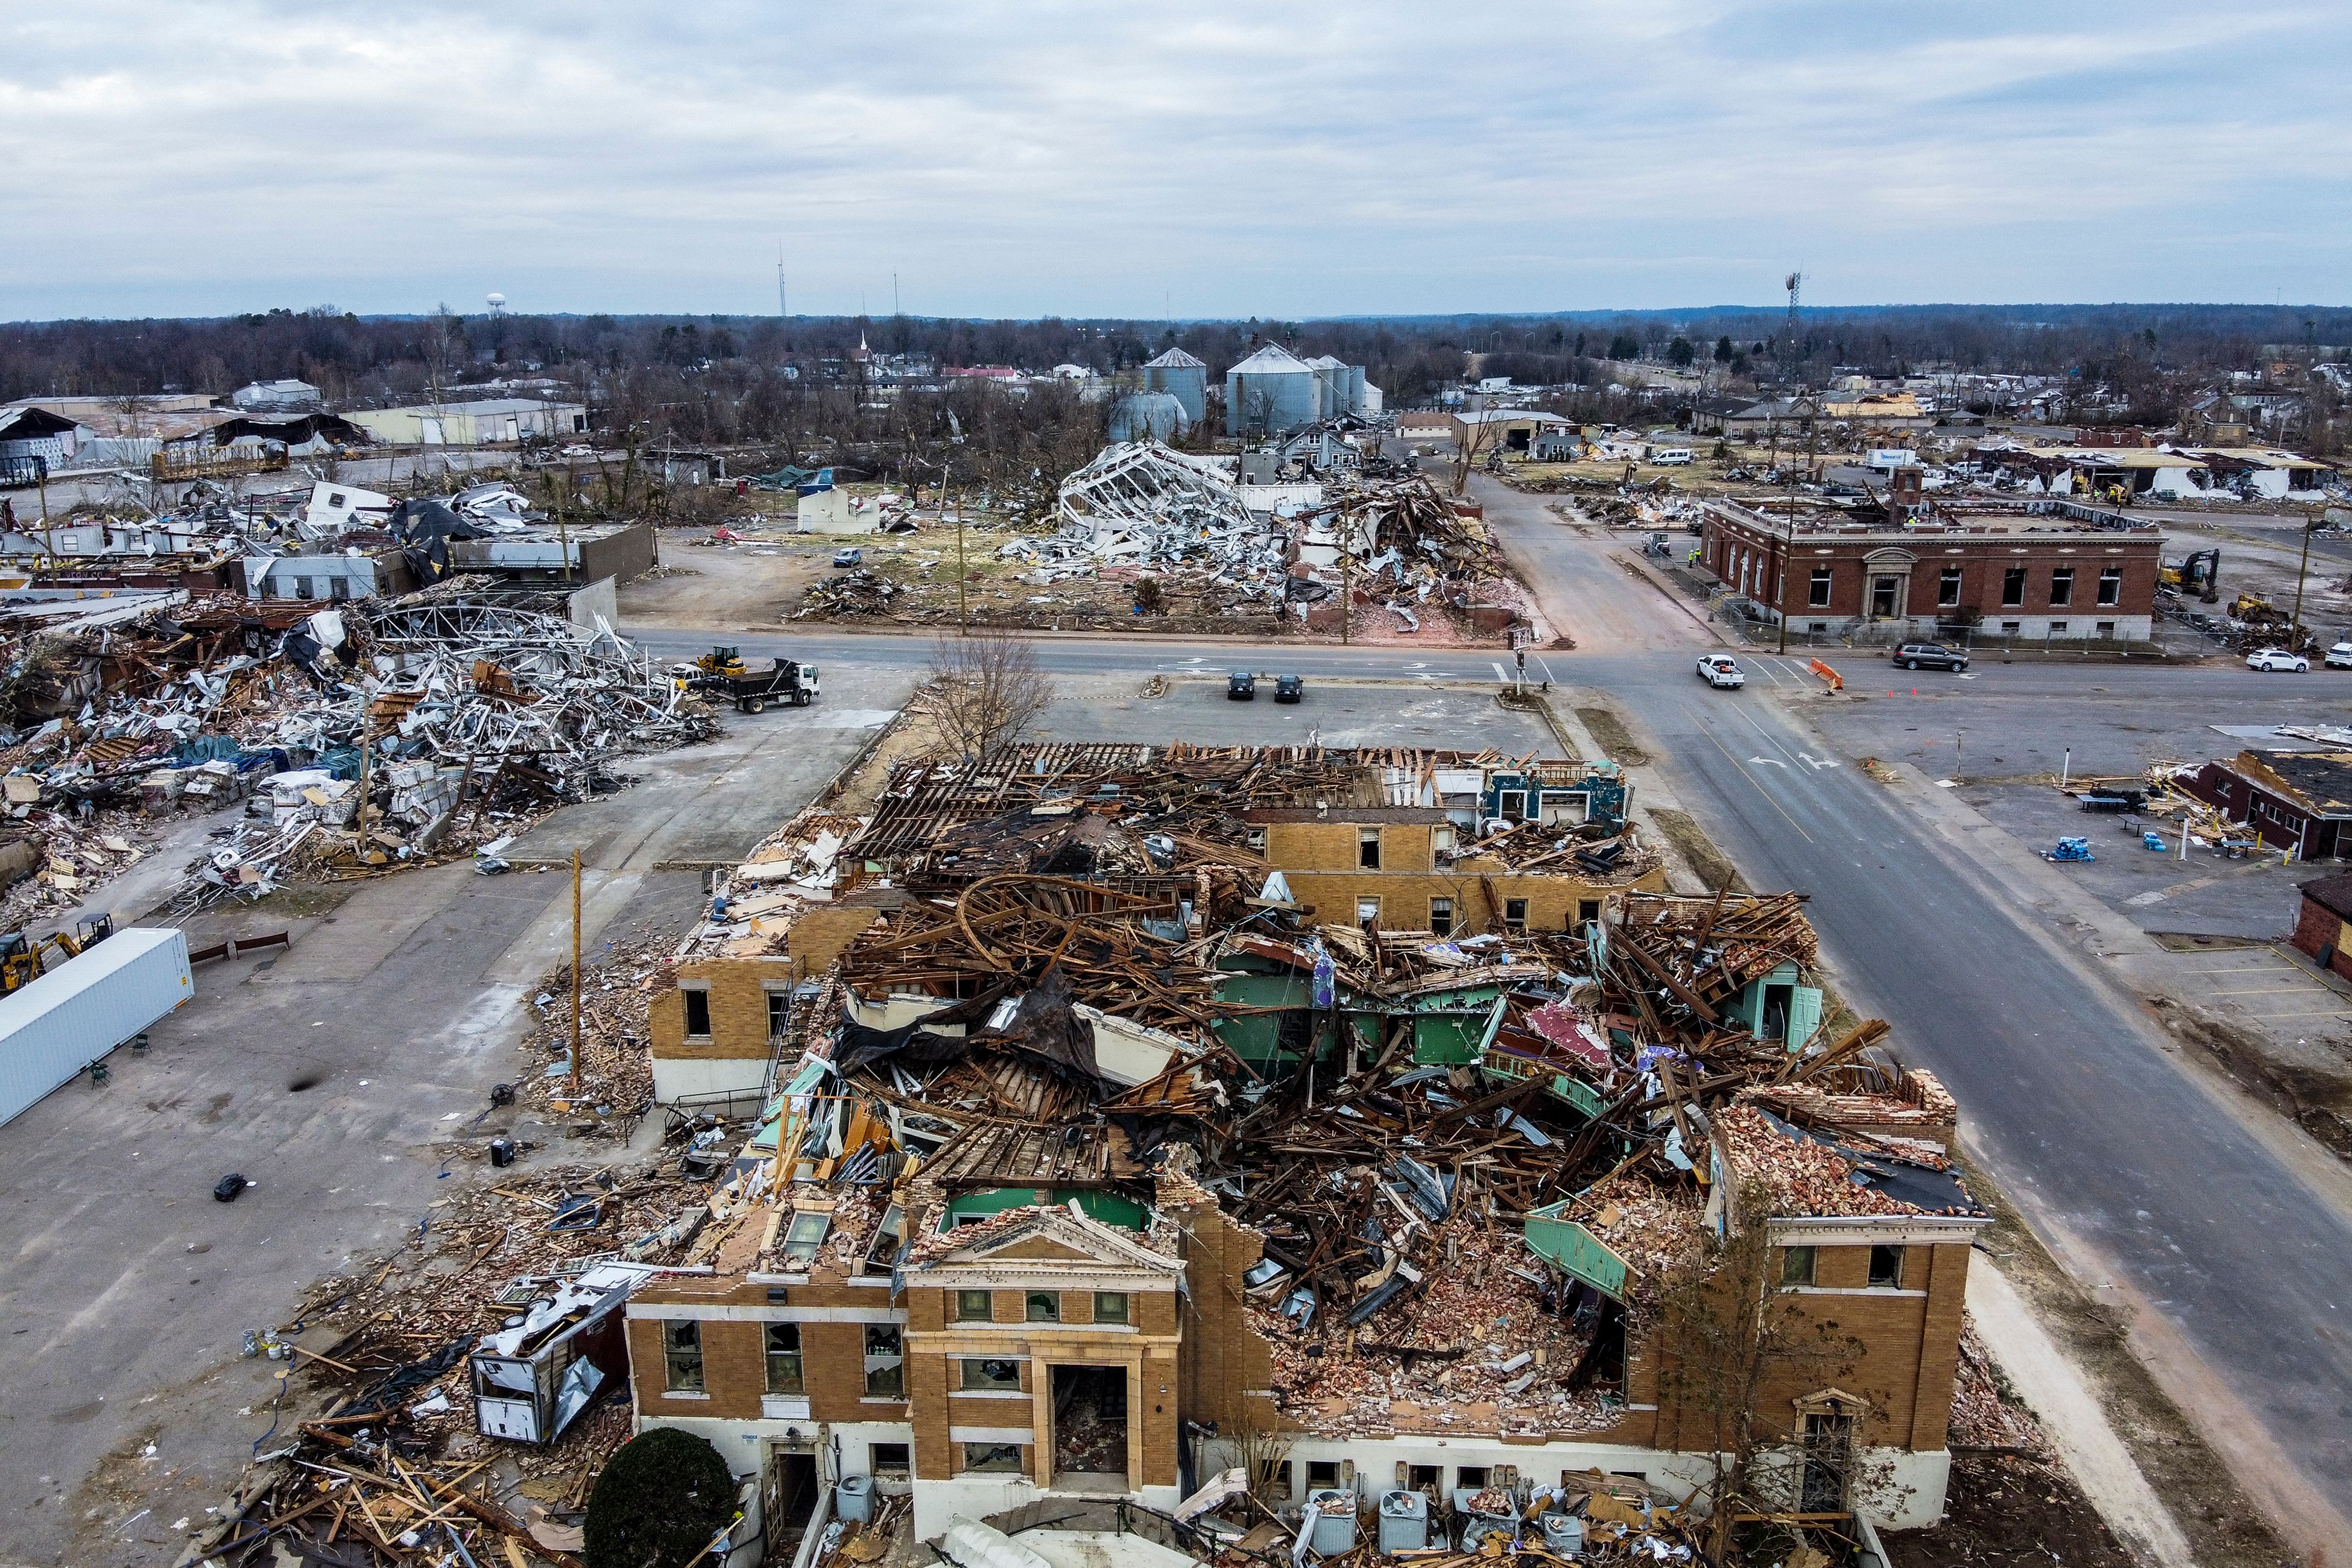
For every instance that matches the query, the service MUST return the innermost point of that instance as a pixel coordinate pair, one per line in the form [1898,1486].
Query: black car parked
[1241,686]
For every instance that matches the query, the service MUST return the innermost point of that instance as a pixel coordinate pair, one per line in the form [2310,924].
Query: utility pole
[1787,544]
[2295,632]
[963,603]
[575,974]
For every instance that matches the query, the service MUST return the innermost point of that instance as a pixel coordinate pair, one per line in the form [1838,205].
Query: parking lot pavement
[2155,890]
[1334,712]
[2266,985]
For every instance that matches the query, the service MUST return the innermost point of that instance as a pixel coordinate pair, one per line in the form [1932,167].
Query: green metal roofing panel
[1567,1243]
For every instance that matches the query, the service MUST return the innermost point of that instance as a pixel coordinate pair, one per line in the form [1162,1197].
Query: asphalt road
[2156,1188]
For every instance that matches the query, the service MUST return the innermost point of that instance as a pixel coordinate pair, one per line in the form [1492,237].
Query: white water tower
[497,304]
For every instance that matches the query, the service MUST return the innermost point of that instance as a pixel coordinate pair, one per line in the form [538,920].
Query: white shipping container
[85,1007]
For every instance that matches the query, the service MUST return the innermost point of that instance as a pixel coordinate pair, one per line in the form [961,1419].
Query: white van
[1670,456]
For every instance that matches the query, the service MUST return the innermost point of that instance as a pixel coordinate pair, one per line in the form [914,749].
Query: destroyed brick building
[1108,1132]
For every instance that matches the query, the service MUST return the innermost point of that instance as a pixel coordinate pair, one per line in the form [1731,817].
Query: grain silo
[1271,392]
[1182,377]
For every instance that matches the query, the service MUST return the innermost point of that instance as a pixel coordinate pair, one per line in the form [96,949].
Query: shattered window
[698,1013]
[2061,585]
[991,1456]
[1819,588]
[1515,915]
[1044,1307]
[2111,585]
[682,1355]
[1947,590]
[2012,586]
[783,1358]
[885,1368]
[990,1375]
[1367,848]
[1441,916]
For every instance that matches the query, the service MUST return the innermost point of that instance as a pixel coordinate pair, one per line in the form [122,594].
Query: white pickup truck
[1722,670]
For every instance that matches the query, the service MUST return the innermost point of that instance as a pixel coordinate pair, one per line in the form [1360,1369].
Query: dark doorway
[1776,999]
[1426,1479]
[1882,598]
[1829,1441]
[1090,1421]
[791,1501]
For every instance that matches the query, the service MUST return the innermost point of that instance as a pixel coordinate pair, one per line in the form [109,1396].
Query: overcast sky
[1205,158]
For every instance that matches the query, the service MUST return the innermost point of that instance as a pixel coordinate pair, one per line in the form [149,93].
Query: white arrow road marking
[1768,761]
[1818,762]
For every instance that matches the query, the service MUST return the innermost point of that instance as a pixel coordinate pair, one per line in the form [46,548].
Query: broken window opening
[682,1355]
[1886,1267]
[885,1370]
[1044,1307]
[1367,848]
[990,1375]
[1441,917]
[697,1014]
[785,1358]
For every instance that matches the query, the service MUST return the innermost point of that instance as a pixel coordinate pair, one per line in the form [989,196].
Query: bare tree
[1733,1340]
[1469,448]
[984,689]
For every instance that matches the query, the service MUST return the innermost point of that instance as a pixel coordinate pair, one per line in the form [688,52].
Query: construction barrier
[1831,677]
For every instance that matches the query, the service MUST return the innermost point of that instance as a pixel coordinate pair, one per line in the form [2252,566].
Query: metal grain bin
[85,1007]
[1404,1522]
[1334,1531]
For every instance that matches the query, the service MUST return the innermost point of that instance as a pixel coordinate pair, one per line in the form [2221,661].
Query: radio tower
[1796,281]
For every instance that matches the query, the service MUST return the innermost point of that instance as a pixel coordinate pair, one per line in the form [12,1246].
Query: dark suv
[1930,656]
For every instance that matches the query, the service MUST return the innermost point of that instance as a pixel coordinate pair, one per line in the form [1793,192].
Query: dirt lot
[2007,1511]
[752,573]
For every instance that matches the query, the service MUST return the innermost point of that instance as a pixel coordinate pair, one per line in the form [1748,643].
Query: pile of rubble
[1154,538]
[459,716]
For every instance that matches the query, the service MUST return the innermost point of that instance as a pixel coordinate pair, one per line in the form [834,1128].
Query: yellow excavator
[24,959]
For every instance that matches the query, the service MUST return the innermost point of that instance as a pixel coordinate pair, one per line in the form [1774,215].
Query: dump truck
[783,680]
[750,684]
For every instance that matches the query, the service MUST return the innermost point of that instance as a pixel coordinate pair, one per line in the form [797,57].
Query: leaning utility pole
[2294,630]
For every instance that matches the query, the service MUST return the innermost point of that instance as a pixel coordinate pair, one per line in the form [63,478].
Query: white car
[1721,670]
[2339,656]
[2278,658]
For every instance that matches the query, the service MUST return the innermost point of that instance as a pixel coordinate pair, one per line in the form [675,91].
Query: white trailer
[73,1016]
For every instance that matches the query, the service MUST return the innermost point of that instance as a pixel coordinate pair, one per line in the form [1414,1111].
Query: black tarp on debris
[917,1042]
[1045,1028]
[425,529]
